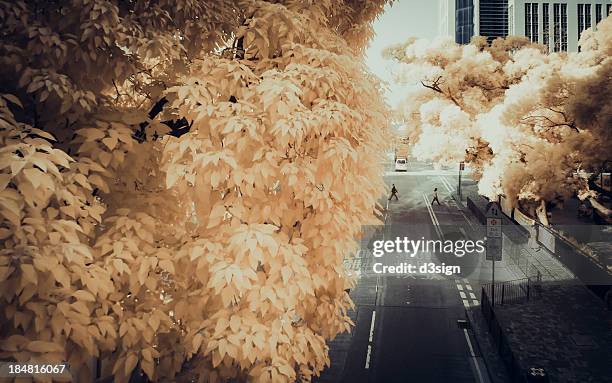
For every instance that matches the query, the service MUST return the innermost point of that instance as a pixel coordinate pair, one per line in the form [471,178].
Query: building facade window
[531,21]
[608,9]
[564,27]
[464,21]
[534,22]
[587,16]
[597,13]
[580,19]
[528,20]
[545,25]
[493,19]
[560,27]
[584,17]
[557,27]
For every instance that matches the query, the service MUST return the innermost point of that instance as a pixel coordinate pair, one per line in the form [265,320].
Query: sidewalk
[520,260]
[595,239]
[566,331]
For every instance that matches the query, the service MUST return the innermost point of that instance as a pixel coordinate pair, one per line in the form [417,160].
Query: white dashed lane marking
[372,325]
[462,292]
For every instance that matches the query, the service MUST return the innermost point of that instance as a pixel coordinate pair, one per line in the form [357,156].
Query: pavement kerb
[476,334]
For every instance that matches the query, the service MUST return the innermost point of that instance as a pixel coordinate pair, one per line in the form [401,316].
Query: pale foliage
[525,120]
[215,251]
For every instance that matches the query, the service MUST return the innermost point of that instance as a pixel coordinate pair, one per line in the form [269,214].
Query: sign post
[494,240]
[461,167]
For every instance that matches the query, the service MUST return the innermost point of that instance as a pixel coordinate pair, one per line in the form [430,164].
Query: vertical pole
[459,184]
[528,289]
[493,281]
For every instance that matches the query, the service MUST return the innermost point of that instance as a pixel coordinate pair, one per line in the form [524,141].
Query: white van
[401,164]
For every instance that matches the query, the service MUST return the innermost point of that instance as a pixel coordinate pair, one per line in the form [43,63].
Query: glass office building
[487,18]
[557,24]
[464,21]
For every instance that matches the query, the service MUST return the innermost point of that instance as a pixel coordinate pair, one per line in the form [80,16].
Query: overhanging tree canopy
[525,120]
[220,243]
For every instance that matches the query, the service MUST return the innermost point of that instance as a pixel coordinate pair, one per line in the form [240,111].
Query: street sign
[494,228]
[494,220]
[494,249]
[461,165]
[493,210]
[494,232]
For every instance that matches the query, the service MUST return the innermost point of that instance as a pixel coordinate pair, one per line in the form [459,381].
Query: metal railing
[510,292]
[500,340]
[517,291]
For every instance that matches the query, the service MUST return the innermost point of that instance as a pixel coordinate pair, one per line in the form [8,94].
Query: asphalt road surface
[408,331]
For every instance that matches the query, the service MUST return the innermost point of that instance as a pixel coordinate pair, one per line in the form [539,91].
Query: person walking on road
[393,193]
[435,197]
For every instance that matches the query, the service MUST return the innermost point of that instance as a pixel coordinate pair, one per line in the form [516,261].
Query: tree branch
[553,124]
[435,86]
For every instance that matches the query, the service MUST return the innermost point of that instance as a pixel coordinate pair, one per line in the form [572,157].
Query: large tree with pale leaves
[524,119]
[178,182]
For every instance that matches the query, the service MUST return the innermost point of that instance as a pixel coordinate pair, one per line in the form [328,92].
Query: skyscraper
[557,24]
[468,18]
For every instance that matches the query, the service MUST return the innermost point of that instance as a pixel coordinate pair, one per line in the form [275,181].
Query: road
[406,328]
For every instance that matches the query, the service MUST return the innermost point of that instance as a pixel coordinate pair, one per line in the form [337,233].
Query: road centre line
[386,212]
[373,320]
[433,217]
[369,352]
